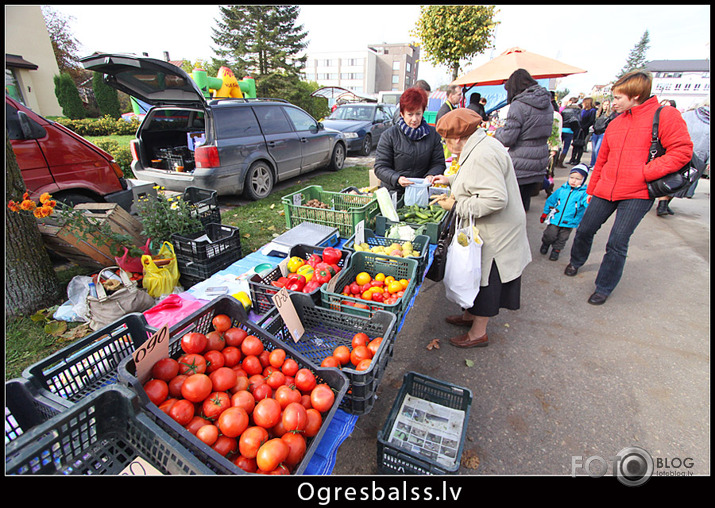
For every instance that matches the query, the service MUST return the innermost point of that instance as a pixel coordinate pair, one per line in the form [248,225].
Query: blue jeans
[595,147]
[566,137]
[629,213]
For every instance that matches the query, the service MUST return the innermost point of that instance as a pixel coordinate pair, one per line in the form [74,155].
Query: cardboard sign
[140,467]
[287,311]
[360,233]
[153,350]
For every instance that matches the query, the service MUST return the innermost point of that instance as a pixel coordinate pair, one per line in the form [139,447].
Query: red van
[54,159]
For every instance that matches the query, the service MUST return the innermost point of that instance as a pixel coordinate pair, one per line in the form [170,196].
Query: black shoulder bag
[673,182]
[439,260]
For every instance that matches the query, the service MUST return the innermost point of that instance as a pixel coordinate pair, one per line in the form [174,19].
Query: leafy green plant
[121,154]
[68,96]
[163,215]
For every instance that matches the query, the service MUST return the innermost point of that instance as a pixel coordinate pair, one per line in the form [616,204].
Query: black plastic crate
[88,364]
[202,270]
[25,408]
[200,321]
[224,240]
[405,456]
[262,291]
[420,244]
[326,329]
[101,435]
[204,204]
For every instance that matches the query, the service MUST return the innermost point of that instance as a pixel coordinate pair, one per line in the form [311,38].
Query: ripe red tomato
[264,358]
[194,343]
[305,380]
[330,361]
[233,421]
[294,417]
[251,440]
[215,404]
[196,423]
[271,454]
[290,367]
[214,360]
[223,379]
[342,354]
[280,470]
[267,413]
[252,365]
[232,356]
[360,339]
[276,379]
[175,385]
[192,364]
[278,429]
[315,421]
[196,387]
[374,345]
[364,364]
[262,392]
[322,397]
[225,445]
[305,400]
[360,353]
[277,357]
[221,322]
[165,369]
[208,434]
[182,412]
[248,465]
[286,394]
[244,399]
[241,382]
[157,390]
[296,448]
[166,405]
[234,336]
[215,341]
[252,345]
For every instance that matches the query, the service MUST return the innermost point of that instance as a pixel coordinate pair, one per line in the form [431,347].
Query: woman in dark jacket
[588,117]
[411,148]
[527,130]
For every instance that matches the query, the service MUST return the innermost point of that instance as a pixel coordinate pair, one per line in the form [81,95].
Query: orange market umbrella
[498,70]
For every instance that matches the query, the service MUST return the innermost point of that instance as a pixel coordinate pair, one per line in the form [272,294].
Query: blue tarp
[495,94]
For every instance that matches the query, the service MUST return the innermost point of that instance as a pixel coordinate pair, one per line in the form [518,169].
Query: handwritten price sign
[287,311]
[153,350]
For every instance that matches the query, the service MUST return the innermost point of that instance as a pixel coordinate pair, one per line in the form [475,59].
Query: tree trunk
[455,70]
[31,283]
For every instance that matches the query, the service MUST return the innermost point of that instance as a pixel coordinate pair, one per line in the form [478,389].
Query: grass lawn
[259,222]
[123,140]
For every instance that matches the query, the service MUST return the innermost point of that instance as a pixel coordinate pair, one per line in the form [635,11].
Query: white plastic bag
[417,193]
[77,291]
[463,269]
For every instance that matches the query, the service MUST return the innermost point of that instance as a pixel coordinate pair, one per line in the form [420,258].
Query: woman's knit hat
[458,123]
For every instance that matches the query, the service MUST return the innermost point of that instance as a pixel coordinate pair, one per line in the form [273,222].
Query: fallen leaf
[56,328]
[506,325]
[469,362]
[247,235]
[273,206]
[470,460]
[271,228]
[434,344]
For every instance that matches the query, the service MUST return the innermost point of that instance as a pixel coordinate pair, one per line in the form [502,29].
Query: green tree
[637,56]
[449,34]
[292,89]
[68,97]
[64,43]
[260,39]
[106,96]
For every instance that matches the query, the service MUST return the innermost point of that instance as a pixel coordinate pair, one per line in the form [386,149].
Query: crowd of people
[498,166]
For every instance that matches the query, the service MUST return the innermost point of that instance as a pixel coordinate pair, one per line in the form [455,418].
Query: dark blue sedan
[362,124]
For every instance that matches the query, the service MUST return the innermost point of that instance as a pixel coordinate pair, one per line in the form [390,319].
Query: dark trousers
[527,191]
[629,213]
[556,236]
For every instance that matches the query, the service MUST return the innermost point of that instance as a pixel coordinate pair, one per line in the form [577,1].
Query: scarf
[413,134]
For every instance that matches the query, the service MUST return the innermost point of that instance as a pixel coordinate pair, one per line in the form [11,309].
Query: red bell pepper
[322,274]
[314,259]
[331,255]
[311,286]
[280,282]
[296,282]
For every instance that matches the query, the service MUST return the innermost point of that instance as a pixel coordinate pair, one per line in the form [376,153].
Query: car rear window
[236,122]
[175,119]
[272,119]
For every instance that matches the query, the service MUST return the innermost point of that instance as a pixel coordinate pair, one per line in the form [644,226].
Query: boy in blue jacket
[564,210]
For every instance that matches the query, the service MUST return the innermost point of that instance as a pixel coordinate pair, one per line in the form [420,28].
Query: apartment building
[687,82]
[379,67]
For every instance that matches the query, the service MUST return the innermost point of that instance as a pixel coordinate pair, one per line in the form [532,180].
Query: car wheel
[259,181]
[366,145]
[337,159]
[75,198]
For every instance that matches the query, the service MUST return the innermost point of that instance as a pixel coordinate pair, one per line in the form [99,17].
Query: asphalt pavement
[562,378]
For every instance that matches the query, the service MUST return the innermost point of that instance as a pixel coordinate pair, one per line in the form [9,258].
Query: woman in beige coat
[487,190]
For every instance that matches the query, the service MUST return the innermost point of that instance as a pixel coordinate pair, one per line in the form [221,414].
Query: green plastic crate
[431,229]
[345,212]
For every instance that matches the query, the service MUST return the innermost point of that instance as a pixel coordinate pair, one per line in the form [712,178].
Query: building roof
[18,61]
[678,66]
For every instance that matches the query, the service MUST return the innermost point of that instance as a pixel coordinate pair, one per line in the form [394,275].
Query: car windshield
[363,113]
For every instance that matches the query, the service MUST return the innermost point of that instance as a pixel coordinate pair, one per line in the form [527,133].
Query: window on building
[408,67]
[395,79]
[328,62]
[677,87]
[686,87]
[696,87]
[396,65]
[12,86]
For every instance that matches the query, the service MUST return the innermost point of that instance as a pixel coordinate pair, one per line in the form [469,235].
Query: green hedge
[121,154]
[105,126]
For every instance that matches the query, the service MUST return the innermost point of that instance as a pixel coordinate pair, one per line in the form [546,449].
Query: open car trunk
[169,137]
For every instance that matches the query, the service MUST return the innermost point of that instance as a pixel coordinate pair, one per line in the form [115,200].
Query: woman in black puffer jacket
[527,130]
[411,148]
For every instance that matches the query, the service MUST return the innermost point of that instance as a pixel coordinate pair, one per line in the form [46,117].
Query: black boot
[554,255]
[544,248]
[662,208]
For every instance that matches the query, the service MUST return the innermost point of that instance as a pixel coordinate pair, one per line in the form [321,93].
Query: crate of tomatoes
[372,282]
[306,268]
[236,396]
[359,346]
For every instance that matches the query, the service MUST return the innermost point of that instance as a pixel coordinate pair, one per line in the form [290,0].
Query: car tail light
[133,149]
[117,169]
[206,156]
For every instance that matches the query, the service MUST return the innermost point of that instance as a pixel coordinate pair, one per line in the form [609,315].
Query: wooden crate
[120,221]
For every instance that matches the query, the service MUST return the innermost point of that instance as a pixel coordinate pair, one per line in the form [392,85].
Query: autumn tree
[260,39]
[31,283]
[449,34]
[637,57]
[64,43]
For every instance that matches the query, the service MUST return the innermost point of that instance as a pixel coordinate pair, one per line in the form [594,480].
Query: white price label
[287,311]
[360,233]
[153,350]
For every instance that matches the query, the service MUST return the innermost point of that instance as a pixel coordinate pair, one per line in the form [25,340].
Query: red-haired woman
[411,148]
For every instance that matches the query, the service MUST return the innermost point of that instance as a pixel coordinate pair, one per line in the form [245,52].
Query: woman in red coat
[618,180]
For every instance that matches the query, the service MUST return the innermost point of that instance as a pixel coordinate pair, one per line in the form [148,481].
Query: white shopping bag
[463,270]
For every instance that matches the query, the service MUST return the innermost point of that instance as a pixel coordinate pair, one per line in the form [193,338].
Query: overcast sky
[597,38]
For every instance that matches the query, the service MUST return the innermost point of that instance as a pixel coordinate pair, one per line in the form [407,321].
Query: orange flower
[47,210]
[38,212]
[13,206]
[26,195]
[51,203]
[45,197]
[28,205]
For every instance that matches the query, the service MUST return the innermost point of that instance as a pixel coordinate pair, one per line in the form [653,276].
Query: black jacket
[479,109]
[397,156]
